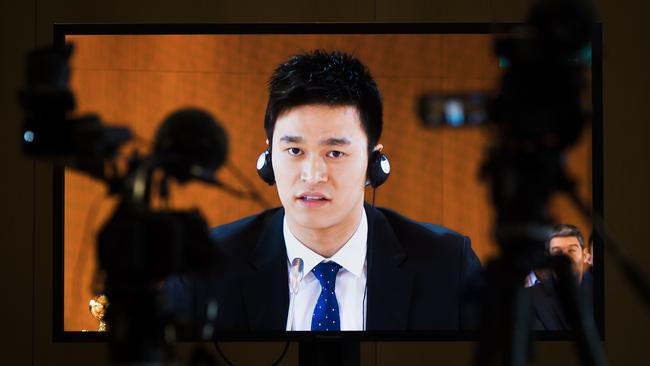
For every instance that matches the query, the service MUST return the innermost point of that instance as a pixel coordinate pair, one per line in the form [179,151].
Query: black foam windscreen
[190,143]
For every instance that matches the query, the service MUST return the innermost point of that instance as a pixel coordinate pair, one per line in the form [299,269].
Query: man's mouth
[313,200]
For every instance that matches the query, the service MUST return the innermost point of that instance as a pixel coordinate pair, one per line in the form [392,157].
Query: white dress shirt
[531,280]
[350,280]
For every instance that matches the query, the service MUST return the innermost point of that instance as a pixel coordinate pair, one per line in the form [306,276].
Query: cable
[374,192]
[252,191]
[633,274]
[230,363]
[284,353]
[223,356]
[363,304]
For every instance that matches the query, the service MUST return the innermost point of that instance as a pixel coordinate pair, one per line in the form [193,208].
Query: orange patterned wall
[138,80]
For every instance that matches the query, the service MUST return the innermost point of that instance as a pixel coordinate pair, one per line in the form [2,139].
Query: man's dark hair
[565,231]
[331,78]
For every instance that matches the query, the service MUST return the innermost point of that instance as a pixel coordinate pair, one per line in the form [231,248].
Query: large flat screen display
[136,75]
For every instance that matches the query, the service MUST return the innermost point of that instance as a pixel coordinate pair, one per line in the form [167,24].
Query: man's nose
[314,170]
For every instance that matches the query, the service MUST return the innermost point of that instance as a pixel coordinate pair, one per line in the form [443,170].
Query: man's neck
[327,241]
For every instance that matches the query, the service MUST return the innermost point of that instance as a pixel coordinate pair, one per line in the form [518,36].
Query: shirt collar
[351,256]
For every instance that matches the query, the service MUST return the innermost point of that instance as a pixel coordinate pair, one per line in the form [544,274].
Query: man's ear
[588,258]
[267,142]
[378,147]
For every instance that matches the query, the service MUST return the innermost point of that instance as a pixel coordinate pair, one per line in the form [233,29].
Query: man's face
[319,159]
[570,246]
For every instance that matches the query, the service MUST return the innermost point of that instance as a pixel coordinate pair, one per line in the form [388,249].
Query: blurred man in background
[548,314]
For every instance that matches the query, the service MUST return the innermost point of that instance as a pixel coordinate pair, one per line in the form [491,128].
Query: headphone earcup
[378,169]
[265,167]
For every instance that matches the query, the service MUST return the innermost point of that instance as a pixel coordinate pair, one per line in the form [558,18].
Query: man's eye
[335,154]
[294,151]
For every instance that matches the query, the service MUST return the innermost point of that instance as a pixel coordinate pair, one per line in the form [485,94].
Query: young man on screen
[364,268]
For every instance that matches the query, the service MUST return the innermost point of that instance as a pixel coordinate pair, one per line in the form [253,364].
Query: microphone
[190,144]
[295,276]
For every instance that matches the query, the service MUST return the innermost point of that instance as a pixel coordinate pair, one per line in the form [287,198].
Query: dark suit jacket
[416,276]
[547,312]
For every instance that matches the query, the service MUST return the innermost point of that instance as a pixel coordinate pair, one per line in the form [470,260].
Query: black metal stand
[505,334]
[329,352]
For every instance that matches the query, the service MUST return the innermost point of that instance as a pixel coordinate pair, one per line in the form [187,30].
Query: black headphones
[378,168]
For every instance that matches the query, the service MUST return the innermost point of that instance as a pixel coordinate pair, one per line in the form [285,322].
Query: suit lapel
[266,291]
[389,281]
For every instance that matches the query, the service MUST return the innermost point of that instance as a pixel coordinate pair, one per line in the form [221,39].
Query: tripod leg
[505,323]
[579,314]
[520,336]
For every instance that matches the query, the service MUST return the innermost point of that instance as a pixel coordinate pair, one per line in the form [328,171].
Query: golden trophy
[97,307]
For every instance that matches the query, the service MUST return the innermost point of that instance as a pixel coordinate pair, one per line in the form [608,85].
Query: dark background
[26,194]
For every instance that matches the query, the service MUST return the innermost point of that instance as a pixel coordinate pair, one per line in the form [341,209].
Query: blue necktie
[326,312]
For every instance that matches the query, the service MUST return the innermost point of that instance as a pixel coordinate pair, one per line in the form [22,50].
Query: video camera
[139,247]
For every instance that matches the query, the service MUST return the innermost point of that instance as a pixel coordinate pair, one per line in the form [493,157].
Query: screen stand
[326,352]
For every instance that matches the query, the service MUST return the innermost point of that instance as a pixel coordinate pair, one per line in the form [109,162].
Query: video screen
[433,190]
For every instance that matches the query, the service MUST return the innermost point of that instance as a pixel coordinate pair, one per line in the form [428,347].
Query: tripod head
[537,114]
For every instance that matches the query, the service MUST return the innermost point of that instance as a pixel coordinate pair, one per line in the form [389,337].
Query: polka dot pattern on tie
[326,312]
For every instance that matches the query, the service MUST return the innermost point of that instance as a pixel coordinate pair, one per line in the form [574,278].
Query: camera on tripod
[139,246]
